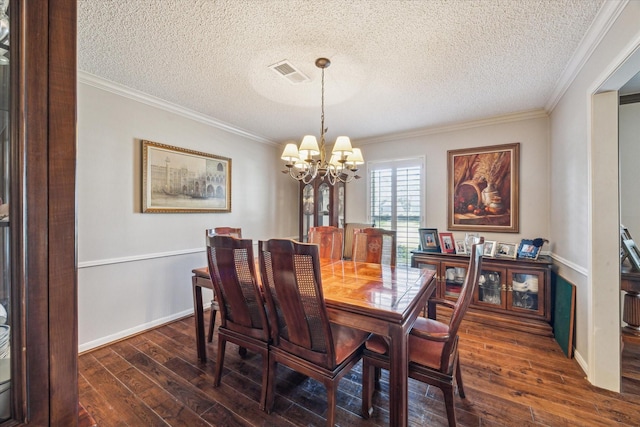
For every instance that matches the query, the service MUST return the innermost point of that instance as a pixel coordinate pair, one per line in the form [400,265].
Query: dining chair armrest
[441,301]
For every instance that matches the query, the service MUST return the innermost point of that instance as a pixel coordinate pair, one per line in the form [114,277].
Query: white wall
[572,163]
[135,268]
[531,130]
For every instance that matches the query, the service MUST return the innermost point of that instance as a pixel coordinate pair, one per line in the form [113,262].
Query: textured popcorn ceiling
[396,65]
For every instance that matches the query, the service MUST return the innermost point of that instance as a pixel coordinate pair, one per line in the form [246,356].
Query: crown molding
[489,121]
[127,92]
[607,15]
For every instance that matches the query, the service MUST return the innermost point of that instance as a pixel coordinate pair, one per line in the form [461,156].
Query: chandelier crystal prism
[303,163]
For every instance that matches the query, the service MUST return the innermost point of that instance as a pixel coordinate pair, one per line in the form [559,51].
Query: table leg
[398,375]
[199,319]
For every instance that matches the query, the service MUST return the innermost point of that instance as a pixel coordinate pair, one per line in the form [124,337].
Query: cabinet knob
[510,289]
[504,287]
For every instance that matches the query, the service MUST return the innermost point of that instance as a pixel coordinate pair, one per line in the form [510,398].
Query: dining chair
[228,231]
[223,231]
[302,337]
[375,245]
[349,229]
[329,240]
[433,346]
[243,319]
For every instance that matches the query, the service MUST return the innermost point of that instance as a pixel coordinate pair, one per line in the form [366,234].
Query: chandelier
[302,163]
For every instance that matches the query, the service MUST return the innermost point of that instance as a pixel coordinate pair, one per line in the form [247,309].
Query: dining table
[382,299]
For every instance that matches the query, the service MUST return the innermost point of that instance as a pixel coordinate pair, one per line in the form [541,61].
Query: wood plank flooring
[510,379]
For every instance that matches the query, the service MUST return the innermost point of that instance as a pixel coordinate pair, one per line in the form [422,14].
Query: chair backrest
[329,240]
[227,231]
[232,271]
[349,229]
[463,301]
[375,245]
[292,285]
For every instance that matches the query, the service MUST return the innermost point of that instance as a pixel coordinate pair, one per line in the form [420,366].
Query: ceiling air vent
[289,72]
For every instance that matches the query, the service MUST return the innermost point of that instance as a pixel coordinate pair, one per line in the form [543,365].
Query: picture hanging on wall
[180,180]
[483,188]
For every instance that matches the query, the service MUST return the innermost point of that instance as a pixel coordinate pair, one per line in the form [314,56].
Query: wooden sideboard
[630,284]
[512,293]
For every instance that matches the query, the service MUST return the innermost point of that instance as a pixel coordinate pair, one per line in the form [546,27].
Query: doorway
[604,349]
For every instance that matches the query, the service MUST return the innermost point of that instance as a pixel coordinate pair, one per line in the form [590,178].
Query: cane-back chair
[243,319]
[433,346]
[375,245]
[329,240]
[223,231]
[302,336]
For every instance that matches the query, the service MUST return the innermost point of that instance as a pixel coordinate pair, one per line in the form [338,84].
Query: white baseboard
[581,361]
[136,330]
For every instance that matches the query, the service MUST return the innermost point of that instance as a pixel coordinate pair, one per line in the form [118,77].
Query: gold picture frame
[483,187]
[180,180]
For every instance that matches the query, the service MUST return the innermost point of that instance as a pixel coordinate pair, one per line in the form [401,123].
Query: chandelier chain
[322,129]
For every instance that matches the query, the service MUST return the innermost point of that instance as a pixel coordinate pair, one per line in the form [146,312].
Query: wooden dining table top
[377,290]
[380,291]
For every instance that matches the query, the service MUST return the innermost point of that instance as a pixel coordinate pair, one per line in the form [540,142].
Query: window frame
[396,164]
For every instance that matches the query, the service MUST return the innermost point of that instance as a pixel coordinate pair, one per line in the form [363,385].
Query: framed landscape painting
[180,180]
[483,188]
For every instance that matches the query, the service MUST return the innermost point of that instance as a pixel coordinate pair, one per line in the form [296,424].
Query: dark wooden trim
[630,99]
[43,213]
[34,95]
[63,310]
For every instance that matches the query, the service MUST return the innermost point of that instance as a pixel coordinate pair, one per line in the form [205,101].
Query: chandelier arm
[331,178]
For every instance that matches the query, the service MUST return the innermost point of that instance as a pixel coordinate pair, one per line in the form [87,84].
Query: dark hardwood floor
[510,379]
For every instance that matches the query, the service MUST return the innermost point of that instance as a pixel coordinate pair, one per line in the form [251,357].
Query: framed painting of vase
[483,188]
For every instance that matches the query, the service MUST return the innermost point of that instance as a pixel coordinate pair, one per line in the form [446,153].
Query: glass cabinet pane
[5,270]
[427,265]
[524,288]
[307,211]
[490,287]
[340,189]
[453,280]
[323,204]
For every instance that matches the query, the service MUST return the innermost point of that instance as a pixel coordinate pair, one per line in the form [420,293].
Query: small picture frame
[632,251]
[506,250]
[429,241]
[447,243]
[489,248]
[461,247]
[528,250]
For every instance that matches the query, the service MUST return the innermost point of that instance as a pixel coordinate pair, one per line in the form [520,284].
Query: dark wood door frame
[43,211]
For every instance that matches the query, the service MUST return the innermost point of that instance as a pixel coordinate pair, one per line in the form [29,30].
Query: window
[395,202]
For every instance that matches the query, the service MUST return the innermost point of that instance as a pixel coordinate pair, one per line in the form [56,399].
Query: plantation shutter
[395,202]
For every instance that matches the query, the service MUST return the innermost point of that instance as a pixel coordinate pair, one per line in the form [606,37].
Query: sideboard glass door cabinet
[38,308]
[321,204]
[511,293]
